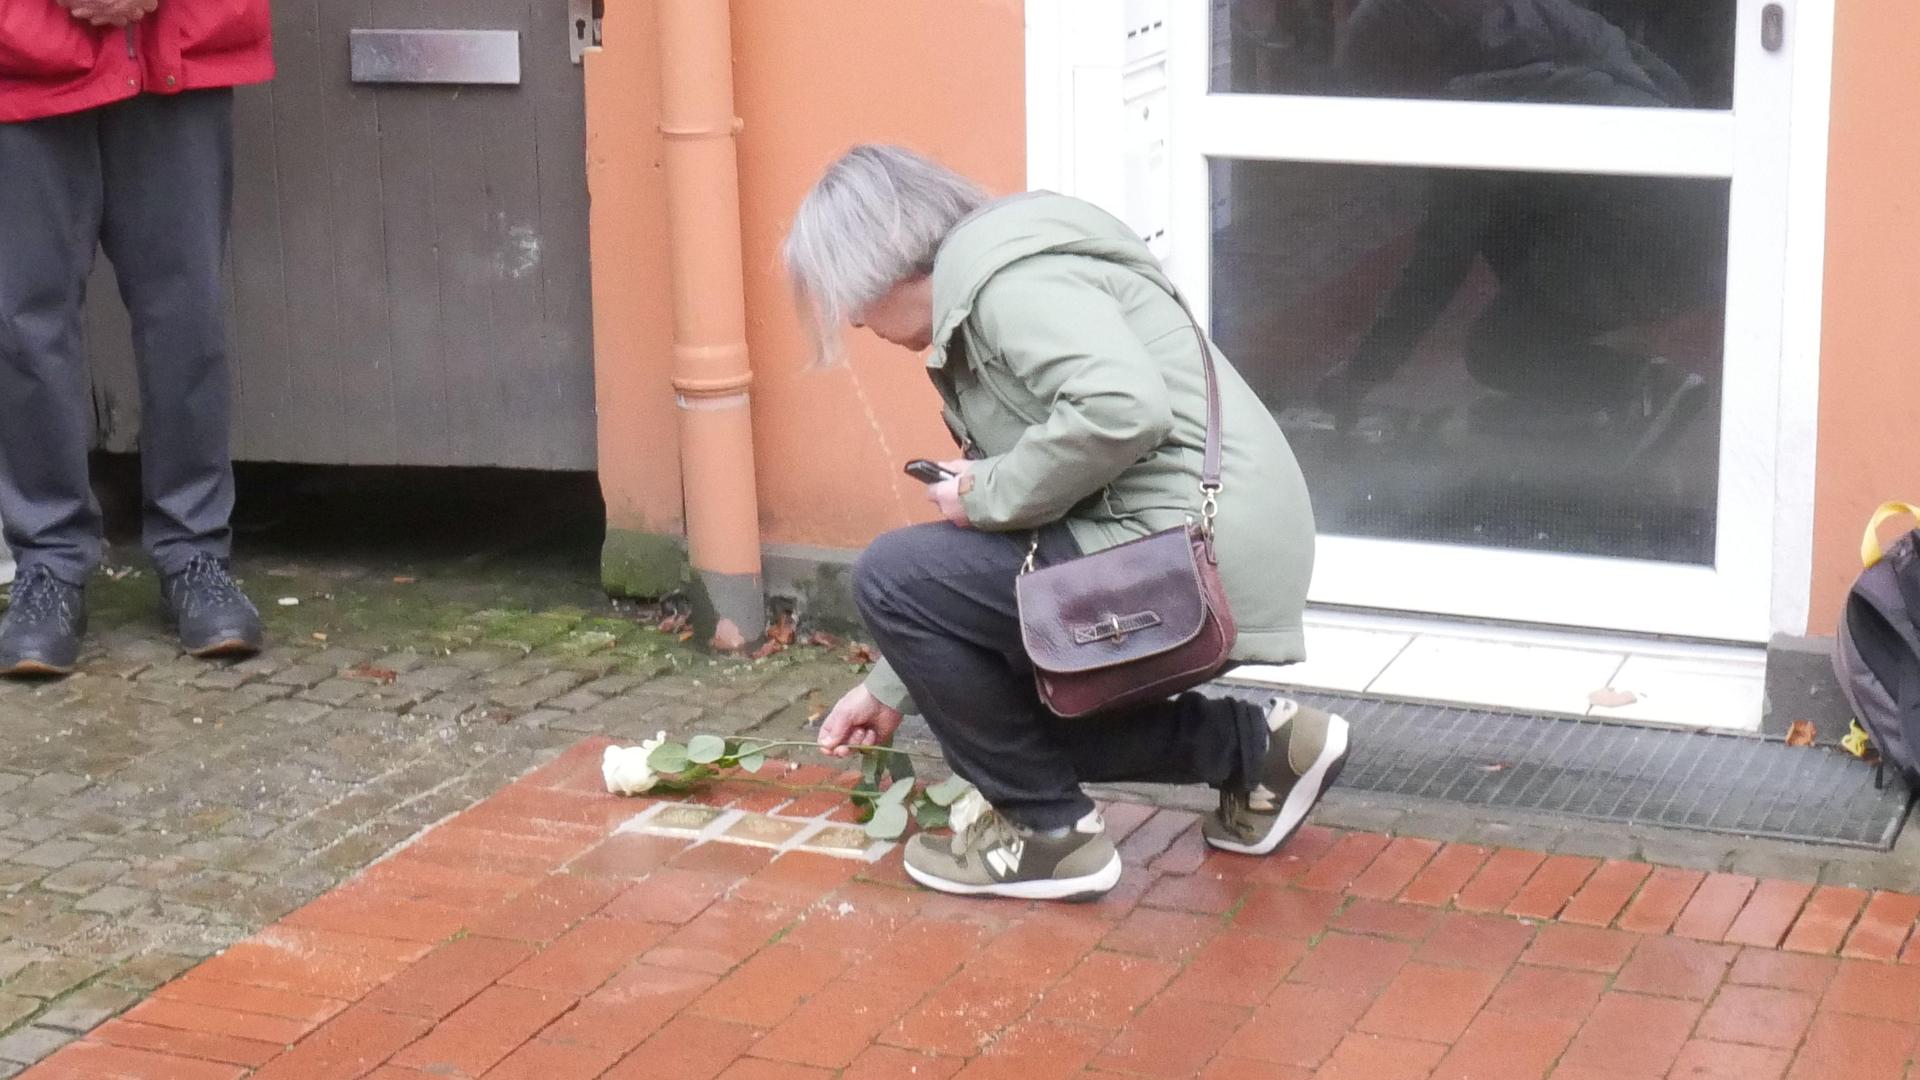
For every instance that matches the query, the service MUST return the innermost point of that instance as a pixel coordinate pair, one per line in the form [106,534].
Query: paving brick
[1758,1016]
[629,1008]
[1395,869]
[1715,904]
[1355,964]
[84,876]
[1703,1059]
[835,1026]
[1286,912]
[892,1063]
[91,1059]
[1104,990]
[1853,1048]
[308,1010]
[1769,914]
[483,1031]
[50,978]
[1430,1003]
[350,1044]
[959,1017]
[186,1044]
[1146,843]
[1291,860]
[1445,875]
[580,960]
[1487,942]
[1552,886]
[1299,1026]
[1785,971]
[1201,893]
[1673,967]
[1824,922]
[81,1010]
[1582,948]
[1660,901]
[667,895]
[212,1020]
[1407,922]
[689,1048]
[26,1045]
[1499,880]
[1348,859]
[1508,1047]
[1547,994]
[1171,1039]
[1381,1057]
[1166,935]
[450,976]
[770,986]
[1881,991]
[55,854]
[1606,893]
[1632,1035]
[1883,928]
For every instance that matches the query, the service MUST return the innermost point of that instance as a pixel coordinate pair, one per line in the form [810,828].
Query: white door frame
[1089,62]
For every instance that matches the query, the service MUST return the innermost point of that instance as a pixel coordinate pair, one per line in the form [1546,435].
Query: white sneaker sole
[1301,797]
[1086,887]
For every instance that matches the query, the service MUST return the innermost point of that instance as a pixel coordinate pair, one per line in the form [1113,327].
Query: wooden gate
[409,273]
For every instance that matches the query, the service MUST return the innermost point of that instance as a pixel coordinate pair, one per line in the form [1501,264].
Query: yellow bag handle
[1870,553]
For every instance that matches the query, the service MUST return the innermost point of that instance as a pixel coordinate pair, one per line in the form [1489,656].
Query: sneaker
[995,857]
[209,612]
[1305,752]
[44,622]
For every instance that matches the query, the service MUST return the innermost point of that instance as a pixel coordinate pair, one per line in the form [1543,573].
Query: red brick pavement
[524,939]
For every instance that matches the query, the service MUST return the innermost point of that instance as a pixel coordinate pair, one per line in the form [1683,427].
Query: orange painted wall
[1869,444]
[632,305]
[813,77]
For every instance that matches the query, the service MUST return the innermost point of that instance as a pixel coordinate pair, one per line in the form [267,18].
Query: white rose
[966,810]
[625,768]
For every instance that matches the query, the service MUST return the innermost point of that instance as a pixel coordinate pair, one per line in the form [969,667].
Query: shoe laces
[38,596]
[988,831]
[1233,809]
[206,583]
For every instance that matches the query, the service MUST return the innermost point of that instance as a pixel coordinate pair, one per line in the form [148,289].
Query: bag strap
[1870,551]
[1210,457]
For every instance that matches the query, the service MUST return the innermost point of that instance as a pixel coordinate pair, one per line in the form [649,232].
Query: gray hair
[873,221]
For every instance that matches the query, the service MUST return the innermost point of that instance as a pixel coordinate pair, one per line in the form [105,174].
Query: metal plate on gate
[470,57]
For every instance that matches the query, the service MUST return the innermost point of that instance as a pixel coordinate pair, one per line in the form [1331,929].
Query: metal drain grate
[1611,771]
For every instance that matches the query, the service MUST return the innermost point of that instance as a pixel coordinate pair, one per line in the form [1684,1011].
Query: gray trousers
[150,181]
[939,602]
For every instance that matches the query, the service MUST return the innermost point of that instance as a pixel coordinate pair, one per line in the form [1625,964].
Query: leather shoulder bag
[1138,621]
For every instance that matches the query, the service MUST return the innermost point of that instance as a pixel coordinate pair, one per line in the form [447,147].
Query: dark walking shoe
[995,857]
[40,634]
[1305,752]
[209,612]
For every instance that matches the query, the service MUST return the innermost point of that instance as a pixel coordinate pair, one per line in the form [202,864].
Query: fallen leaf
[318,636]
[816,709]
[675,623]
[383,676]
[782,629]
[403,580]
[824,640]
[861,654]
[685,635]
[1608,698]
[1801,733]
[768,648]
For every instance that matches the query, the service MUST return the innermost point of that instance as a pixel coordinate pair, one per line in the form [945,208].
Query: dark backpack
[1876,652]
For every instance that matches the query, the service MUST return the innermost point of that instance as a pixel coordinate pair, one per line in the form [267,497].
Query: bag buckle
[1209,507]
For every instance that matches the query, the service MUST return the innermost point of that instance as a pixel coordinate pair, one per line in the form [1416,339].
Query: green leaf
[930,814]
[753,762]
[948,791]
[706,749]
[889,822]
[668,758]
[900,766]
[898,792]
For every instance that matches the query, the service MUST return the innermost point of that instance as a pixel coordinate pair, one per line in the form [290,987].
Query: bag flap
[1130,601]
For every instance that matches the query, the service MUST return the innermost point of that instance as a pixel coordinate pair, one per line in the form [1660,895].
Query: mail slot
[470,57]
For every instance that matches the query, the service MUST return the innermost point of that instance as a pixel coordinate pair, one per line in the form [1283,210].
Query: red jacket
[52,63]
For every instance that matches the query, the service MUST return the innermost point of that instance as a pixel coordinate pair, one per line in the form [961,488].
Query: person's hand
[946,493]
[857,719]
[109,12]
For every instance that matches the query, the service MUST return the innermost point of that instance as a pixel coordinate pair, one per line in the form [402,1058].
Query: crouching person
[1073,379]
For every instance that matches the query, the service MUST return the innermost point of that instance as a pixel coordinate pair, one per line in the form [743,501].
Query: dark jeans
[939,602]
[1549,358]
[150,180]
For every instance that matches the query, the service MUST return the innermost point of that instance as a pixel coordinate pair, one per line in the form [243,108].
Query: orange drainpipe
[711,372]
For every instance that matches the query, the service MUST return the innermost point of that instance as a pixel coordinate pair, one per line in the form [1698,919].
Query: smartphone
[926,471]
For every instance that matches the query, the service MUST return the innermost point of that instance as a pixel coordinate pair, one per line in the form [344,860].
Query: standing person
[1074,381]
[116,131]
